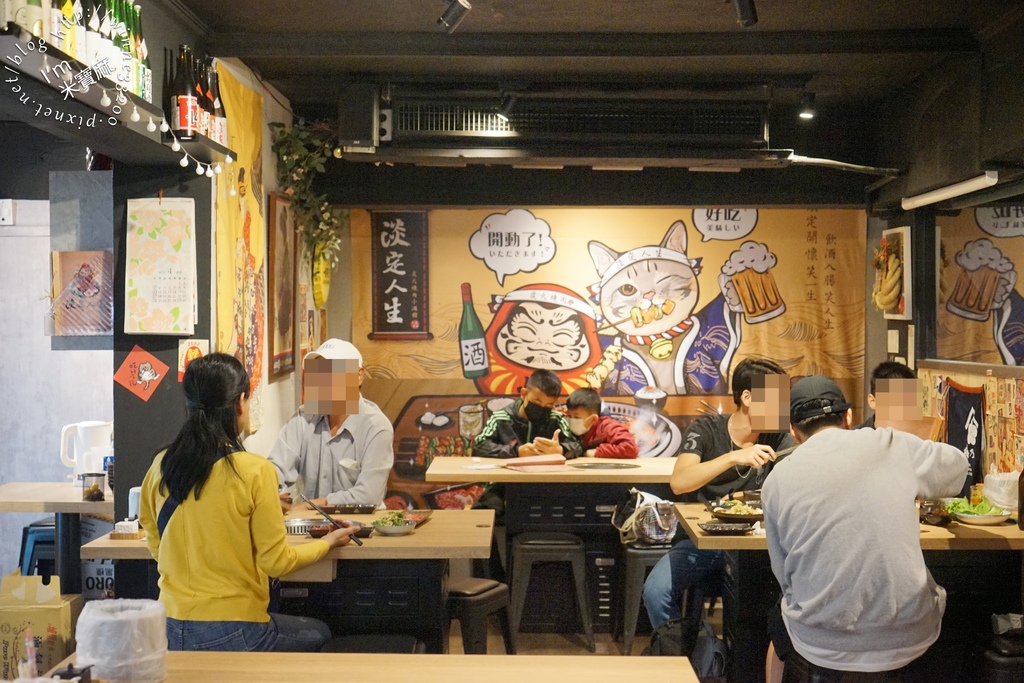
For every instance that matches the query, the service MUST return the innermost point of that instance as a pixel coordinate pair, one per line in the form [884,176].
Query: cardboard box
[97,575]
[26,603]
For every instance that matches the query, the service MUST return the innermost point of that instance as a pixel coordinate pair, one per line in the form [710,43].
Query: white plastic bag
[1001,490]
[123,640]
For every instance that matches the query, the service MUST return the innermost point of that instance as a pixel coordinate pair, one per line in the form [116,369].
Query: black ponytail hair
[213,385]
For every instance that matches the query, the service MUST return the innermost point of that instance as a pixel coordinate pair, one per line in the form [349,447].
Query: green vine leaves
[301,152]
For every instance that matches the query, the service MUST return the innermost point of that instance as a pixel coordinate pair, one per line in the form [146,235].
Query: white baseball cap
[337,349]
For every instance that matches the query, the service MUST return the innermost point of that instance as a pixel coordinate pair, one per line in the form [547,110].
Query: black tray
[724,528]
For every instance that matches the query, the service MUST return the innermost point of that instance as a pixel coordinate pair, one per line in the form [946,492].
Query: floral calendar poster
[160,271]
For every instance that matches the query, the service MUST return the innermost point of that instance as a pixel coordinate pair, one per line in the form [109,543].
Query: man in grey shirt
[844,539]
[340,447]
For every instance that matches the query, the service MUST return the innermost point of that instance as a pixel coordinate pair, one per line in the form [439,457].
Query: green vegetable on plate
[984,507]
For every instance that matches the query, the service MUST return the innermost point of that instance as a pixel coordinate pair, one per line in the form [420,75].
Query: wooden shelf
[200,147]
[35,92]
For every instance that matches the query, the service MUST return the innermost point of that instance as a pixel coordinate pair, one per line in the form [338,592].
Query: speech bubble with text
[512,242]
[1001,221]
[724,223]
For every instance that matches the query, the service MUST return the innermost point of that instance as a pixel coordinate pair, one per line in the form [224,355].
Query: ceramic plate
[982,520]
[732,516]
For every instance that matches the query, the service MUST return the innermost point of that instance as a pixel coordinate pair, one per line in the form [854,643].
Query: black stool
[534,547]
[638,561]
[471,601]
[376,642]
[37,547]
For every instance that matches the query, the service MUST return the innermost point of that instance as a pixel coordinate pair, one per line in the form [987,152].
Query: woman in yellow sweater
[214,525]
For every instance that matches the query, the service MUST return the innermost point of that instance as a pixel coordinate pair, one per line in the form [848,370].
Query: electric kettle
[84,445]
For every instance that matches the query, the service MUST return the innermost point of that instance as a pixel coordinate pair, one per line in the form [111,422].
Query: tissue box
[26,603]
[97,575]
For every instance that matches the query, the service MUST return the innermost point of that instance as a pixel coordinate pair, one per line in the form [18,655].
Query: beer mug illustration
[748,283]
[985,278]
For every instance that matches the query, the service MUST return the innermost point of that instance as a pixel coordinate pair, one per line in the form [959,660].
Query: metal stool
[471,601]
[638,561]
[376,642]
[532,547]
[37,547]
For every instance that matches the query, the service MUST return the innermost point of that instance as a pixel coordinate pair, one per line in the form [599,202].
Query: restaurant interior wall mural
[652,307]
[981,311]
[241,240]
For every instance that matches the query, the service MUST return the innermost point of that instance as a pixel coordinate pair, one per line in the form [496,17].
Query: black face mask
[535,413]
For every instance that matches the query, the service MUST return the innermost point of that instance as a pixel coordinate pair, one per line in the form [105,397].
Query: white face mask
[578,426]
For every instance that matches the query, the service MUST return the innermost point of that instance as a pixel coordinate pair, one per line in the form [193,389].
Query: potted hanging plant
[301,152]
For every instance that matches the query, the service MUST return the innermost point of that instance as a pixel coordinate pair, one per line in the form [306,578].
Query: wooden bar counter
[255,667]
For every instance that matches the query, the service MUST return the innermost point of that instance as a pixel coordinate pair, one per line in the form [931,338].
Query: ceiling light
[746,13]
[807,111]
[987,179]
[505,110]
[454,15]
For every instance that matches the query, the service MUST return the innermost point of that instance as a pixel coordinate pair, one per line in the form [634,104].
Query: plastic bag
[1001,490]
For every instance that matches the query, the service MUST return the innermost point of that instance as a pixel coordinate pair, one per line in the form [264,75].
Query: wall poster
[282,285]
[652,307]
[400,276]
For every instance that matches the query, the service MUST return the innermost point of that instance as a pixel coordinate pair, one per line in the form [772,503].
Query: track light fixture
[508,104]
[807,111]
[454,15]
[746,13]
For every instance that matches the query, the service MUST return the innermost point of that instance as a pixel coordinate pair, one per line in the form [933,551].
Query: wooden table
[447,534]
[255,667]
[750,588]
[464,470]
[390,584]
[64,499]
[953,537]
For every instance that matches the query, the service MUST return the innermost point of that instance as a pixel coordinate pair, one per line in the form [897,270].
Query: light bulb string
[210,166]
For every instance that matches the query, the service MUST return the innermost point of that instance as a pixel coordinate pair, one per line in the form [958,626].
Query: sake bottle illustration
[472,346]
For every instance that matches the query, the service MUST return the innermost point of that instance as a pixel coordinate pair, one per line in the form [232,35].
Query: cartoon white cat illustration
[647,297]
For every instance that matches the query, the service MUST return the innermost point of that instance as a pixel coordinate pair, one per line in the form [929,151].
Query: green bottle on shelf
[472,344]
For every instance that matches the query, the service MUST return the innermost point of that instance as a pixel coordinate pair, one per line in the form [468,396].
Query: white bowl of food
[982,520]
[393,523]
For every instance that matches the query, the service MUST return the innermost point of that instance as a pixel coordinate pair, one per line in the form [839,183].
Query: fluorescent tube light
[987,179]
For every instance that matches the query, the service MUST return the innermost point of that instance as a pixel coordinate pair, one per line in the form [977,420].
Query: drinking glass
[471,421]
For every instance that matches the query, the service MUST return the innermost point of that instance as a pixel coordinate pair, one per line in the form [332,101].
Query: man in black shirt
[721,454]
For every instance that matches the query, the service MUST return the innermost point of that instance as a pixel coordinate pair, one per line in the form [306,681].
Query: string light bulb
[175,146]
[105,100]
[199,169]
[164,127]
[228,160]
[151,127]
[232,193]
[121,99]
[217,169]
[135,115]
[184,162]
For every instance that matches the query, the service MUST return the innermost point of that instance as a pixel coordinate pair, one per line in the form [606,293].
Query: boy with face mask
[531,425]
[602,436]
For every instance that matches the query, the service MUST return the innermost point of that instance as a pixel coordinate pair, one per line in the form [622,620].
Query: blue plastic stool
[37,543]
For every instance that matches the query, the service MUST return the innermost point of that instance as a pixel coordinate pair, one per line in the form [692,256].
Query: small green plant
[301,152]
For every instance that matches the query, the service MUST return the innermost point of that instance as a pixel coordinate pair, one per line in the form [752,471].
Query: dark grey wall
[27,156]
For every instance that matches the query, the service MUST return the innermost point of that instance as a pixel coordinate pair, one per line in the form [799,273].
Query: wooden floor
[561,644]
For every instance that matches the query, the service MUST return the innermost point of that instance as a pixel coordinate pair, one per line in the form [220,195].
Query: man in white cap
[845,543]
[340,446]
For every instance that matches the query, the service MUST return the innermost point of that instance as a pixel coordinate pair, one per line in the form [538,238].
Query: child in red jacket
[602,436]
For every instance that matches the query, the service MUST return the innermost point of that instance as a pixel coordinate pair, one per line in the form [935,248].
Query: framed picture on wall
[892,290]
[281,286]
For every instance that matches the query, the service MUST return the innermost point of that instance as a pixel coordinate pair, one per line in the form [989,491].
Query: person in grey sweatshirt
[844,539]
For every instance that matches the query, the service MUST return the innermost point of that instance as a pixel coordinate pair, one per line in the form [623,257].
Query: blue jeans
[283,633]
[682,566]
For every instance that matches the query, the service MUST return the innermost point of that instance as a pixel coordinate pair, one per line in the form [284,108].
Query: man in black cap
[844,539]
